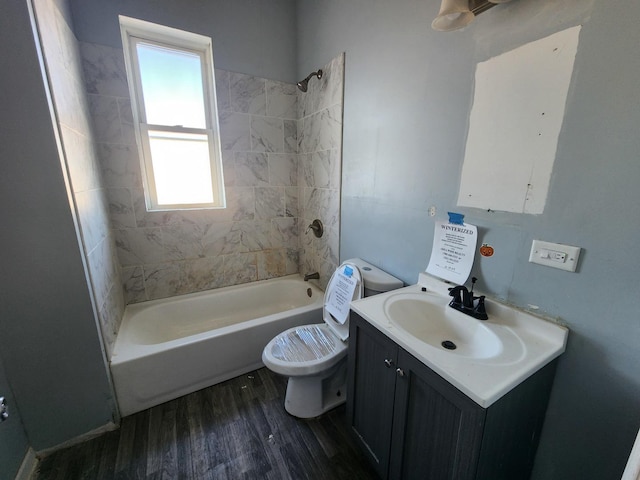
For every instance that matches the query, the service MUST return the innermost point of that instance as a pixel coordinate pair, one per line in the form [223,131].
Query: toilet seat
[311,349]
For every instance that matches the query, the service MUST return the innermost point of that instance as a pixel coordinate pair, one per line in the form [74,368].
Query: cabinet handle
[400,372]
[388,363]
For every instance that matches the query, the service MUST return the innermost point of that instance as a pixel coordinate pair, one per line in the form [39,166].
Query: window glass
[181,167]
[171,86]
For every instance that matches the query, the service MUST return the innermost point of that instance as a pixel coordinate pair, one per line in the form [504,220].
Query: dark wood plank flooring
[234,430]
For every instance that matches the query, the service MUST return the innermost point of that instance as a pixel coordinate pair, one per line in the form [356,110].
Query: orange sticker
[486,250]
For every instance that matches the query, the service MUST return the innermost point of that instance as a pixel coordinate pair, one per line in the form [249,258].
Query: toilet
[314,357]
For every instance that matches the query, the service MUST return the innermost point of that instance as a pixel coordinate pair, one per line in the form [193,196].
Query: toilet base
[311,396]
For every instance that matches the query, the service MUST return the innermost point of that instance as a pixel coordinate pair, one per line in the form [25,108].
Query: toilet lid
[305,344]
[305,350]
[339,328]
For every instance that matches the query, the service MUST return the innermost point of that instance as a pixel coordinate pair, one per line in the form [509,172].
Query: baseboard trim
[79,439]
[28,467]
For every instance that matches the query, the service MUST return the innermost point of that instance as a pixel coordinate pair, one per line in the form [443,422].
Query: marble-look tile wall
[175,252]
[64,68]
[320,166]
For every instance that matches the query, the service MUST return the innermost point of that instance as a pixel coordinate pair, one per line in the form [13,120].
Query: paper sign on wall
[340,296]
[454,248]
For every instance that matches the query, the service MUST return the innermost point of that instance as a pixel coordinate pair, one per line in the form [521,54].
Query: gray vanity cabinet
[413,424]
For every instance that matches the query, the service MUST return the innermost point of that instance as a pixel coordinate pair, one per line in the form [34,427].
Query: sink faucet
[464,301]
[312,276]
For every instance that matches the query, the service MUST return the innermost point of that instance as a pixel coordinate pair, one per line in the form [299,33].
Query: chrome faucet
[312,276]
[464,301]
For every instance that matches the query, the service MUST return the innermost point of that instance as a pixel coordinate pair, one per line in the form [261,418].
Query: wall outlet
[556,255]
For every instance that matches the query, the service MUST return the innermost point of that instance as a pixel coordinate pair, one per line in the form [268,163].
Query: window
[171,81]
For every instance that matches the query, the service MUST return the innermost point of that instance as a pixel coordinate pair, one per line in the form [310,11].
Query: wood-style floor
[234,430]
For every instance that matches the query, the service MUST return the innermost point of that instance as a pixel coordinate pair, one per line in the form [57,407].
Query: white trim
[134,31]
[109,427]
[632,471]
[28,466]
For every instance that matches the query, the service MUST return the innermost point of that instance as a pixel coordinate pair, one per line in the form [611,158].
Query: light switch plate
[555,255]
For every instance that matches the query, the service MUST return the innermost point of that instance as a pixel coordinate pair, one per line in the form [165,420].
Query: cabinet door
[372,363]
[437,430]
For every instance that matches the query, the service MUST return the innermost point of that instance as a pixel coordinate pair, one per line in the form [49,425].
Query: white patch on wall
[515,121]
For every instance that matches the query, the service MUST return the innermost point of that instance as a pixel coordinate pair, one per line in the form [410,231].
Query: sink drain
[449,345]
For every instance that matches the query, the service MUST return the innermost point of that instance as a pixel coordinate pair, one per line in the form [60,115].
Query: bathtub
[170,347]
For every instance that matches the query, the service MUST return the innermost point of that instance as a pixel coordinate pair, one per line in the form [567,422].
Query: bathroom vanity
[415,408]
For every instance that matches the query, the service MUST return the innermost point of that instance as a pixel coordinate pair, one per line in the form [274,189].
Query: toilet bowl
[314,357]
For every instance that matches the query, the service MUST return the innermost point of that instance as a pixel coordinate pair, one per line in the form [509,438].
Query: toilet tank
[375,280]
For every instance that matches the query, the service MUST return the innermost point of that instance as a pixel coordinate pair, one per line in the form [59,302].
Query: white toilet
[314,357]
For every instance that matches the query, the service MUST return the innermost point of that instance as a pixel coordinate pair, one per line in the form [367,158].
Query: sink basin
[483,359]
[442,327]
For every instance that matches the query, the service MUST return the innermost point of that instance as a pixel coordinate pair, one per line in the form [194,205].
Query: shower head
[302,84]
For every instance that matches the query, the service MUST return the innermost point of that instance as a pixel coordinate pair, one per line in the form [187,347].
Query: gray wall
[49,343]
[408,95]
[249,36]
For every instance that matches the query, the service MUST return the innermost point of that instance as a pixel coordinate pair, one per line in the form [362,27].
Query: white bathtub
[170,347]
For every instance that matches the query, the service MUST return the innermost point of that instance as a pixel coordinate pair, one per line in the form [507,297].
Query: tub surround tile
[104,70]
[331,87]
[283,169]
[234,131]
[321,203]
[255,236]
[271,263]
[240,268]
[292,260]
[132,279]
[139,246]
[269,187]
[267,134]
[291,202]
[284,232]
[223,96]
[181,277]
[222,239]
[241,204]
[320,169]
[319,134]
[201,274]
[229,168]
[247,94]
[82,161]
[61,44]
[110,317]
[120,166]
[182,242]
[99,272]
[321,131]
[106,119]
[290,136]
[269,202]
[93,217]
[72,108]
[162,280]
[121,210]
[282,100]
[252,169]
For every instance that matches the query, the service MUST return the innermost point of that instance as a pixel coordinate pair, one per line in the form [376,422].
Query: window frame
[136,31]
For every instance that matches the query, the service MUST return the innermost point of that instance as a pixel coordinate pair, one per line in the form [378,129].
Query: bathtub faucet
[312,276]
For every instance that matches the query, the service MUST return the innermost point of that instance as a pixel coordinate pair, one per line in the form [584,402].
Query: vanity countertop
[494,355]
